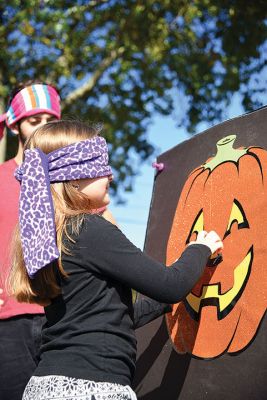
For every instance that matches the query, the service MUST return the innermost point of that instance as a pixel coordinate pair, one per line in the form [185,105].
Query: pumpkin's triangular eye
[237,215]
[197,226]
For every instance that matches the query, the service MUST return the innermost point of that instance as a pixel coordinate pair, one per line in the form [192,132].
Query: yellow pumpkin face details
[198,226]
[211,294]
[238,216]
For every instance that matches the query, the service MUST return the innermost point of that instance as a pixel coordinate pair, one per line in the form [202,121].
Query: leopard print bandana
[85,159]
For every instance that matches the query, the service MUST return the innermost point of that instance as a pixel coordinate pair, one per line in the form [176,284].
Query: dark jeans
[20,339]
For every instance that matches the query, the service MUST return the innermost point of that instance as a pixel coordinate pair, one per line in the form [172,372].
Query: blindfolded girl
[82,268]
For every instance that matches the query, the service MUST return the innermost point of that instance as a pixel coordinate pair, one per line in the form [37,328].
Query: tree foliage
[120,61]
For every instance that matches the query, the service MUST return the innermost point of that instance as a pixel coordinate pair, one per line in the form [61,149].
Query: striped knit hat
[31,100]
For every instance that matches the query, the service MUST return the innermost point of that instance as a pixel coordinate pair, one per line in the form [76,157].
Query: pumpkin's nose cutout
[213,262]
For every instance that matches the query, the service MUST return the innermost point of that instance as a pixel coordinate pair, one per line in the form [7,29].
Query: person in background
[82,268]
[31,105]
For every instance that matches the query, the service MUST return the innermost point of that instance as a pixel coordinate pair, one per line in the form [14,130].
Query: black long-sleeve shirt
[90,328]
[146,310]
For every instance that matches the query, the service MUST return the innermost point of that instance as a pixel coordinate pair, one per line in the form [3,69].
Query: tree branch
[88,86]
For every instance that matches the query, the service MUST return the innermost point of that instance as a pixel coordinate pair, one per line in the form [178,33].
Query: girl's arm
[105,250]
[146,310]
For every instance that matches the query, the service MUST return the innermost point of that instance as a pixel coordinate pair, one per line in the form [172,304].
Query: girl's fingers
[213,236]
[210,239]
[201,235]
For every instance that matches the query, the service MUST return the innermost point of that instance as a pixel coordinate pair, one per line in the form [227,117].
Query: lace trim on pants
[55,387]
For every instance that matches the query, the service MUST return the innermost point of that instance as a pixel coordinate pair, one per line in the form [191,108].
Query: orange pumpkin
[227,194]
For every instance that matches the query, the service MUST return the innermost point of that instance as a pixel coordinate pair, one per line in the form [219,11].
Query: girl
[82,268]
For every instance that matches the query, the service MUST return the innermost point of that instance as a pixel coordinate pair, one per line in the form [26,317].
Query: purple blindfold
[86,159]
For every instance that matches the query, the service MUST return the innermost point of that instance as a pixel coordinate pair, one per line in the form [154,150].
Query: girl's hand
[210,239]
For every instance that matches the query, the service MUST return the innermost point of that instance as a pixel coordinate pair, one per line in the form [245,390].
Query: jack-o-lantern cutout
[227,194]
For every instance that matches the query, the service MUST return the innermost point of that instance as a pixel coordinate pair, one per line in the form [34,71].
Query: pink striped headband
[31,100]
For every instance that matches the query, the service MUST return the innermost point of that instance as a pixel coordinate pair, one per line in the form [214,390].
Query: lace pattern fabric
[54,387]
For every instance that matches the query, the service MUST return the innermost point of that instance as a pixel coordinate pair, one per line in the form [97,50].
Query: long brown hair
[70,206]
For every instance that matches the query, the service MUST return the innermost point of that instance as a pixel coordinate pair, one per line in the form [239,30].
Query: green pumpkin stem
[225,152]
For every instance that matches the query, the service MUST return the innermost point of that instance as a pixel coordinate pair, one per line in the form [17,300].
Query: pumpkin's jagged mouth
[211,294]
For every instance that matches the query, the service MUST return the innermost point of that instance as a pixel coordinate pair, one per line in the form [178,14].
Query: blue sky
[133,216]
